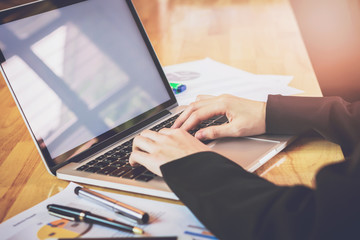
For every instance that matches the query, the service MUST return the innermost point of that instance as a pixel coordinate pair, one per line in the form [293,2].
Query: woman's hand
[246,117]
[153,149]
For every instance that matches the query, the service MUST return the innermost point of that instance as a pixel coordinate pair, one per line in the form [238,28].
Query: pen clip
[123,209]
[62,216]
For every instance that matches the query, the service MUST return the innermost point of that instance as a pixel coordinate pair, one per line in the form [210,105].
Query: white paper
[166,219]
[208,77]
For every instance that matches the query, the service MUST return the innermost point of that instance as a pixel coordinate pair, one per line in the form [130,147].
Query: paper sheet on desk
[165,220]
[213,78]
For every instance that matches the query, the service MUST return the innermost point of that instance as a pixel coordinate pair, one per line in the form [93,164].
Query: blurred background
[330,30]
[331,33]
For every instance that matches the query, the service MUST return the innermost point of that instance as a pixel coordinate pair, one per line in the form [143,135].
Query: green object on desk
[178,87]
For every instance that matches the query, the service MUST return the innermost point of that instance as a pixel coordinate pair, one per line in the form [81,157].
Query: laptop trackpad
[244,151]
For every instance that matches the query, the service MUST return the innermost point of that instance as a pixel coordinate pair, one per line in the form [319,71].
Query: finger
[144,144]
[170,131]
[144,159]
[214,132]
[183,116]
[152,135]
[167,131]
[201,114]
[191,108]
[197,112]
[138,157]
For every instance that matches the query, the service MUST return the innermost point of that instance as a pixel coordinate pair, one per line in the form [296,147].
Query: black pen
[79,215]
[118,207]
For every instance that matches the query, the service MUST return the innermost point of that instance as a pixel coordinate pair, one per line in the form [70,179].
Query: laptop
[86,80]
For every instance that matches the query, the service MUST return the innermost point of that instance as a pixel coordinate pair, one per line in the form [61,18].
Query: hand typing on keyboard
[153,149]
[246,117]
[242,117]
[115,162]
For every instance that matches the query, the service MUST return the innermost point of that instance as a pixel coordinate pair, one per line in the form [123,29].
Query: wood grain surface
[259,36]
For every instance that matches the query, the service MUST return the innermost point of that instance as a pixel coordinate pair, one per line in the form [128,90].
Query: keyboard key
[124,159]
[127,164]
[134,172]
[222,119]
[148,173]
[213,118]
[92,169]
[101,157]
[116,156]
[128,143]
[193,131]
[144,178]
[155,129]
[118,148]
[92,162]
[217,123]
[120,171]
[107,170]
[110,159]
[109,153]
[122,153]
[203,125]
[118,164]
[128,148]
[82,168]
[102,164]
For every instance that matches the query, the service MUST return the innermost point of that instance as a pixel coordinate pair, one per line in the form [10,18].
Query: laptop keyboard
[115,162]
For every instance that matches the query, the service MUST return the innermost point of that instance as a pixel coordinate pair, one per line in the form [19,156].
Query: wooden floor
[260,36]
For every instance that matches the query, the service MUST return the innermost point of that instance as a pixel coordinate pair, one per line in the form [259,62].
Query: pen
[118,207]
[78,215]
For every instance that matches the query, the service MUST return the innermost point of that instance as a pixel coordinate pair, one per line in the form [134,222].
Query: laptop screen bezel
[117,133]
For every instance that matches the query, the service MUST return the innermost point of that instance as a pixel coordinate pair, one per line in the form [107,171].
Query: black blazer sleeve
[332,117]
[236,204]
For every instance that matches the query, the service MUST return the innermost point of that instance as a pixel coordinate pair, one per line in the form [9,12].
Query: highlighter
[178,87]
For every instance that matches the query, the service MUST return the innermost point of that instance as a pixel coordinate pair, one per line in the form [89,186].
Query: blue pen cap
[178,87]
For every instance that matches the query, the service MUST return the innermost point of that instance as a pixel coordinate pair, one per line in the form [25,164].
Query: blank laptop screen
[80,71]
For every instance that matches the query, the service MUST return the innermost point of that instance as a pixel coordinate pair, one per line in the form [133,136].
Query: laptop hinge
[2,58]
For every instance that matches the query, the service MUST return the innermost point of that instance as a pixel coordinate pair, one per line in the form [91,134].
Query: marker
[78,215]
[116,206]
[178,87]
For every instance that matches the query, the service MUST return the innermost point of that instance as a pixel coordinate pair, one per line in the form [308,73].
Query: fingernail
[199,135]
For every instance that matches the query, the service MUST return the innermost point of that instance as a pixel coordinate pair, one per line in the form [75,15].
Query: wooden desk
[257,36]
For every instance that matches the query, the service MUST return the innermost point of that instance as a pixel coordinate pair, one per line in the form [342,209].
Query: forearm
[335,119]
[236,204]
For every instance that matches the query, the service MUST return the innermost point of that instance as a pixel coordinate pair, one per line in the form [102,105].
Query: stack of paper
[213,78]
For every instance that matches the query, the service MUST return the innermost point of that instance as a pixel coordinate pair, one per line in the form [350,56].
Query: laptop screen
[81,73]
